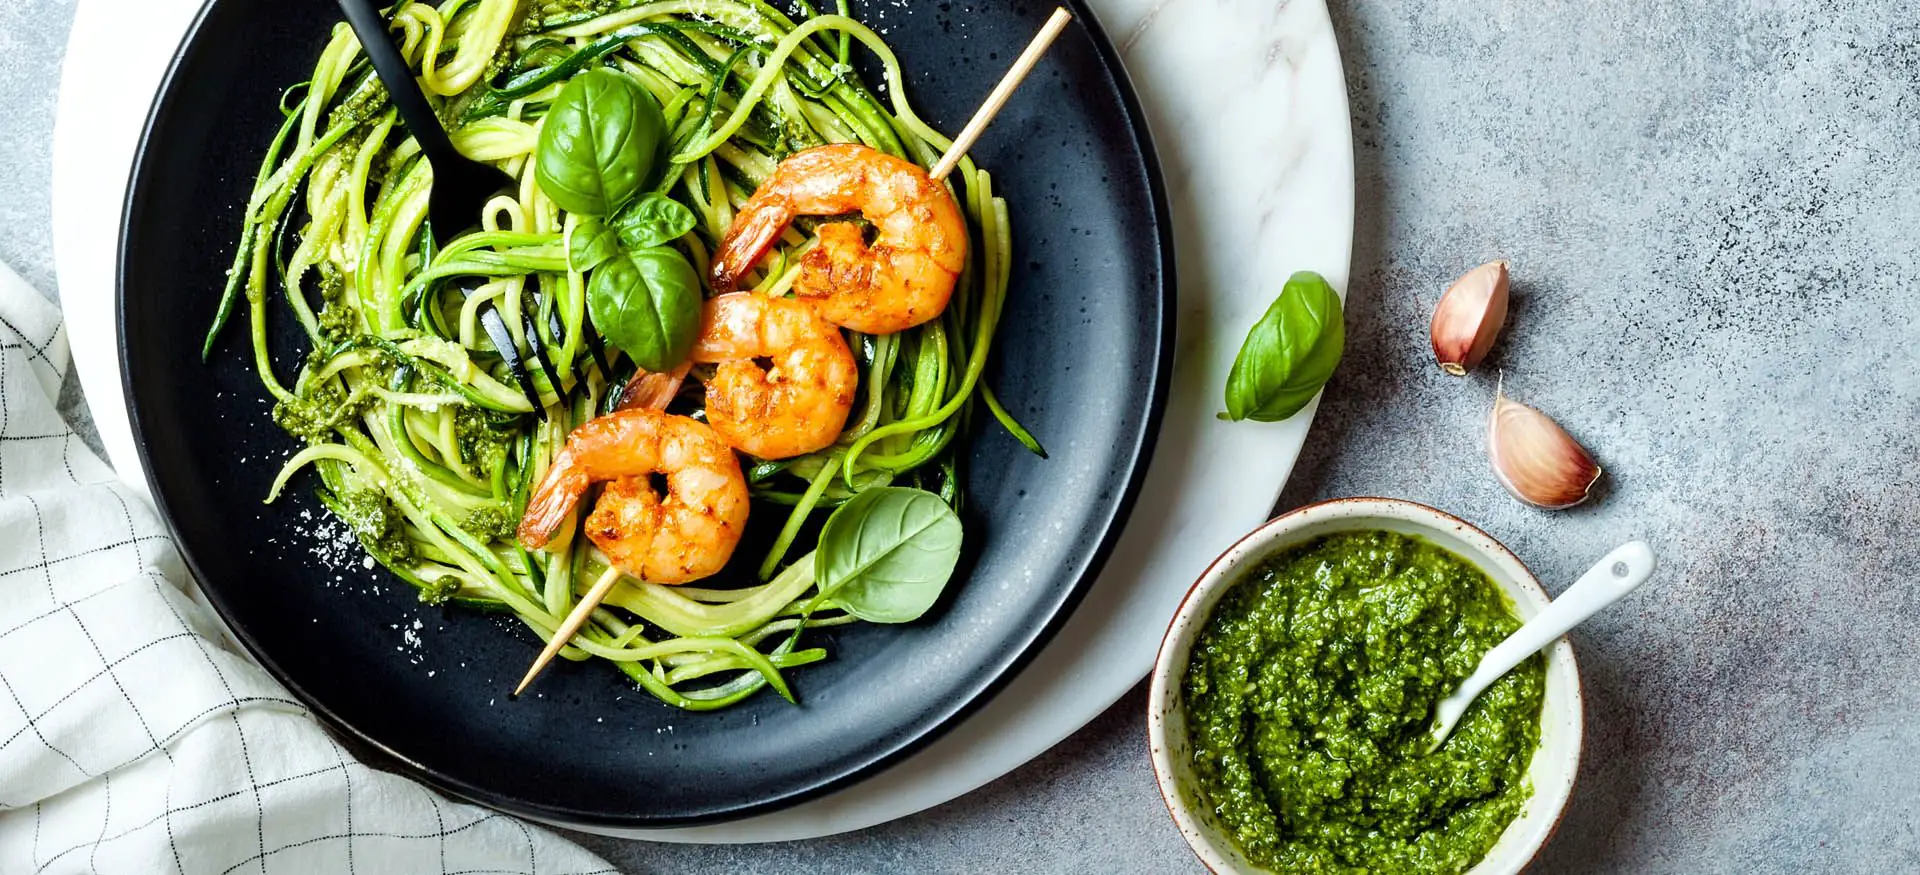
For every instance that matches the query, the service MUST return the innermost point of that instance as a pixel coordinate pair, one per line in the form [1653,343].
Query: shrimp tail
[652,391]
[547,509]
[754,231]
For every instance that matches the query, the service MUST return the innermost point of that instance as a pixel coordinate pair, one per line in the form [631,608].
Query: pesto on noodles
[417,434]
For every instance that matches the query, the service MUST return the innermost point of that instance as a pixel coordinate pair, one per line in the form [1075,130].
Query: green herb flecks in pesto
[1308,698]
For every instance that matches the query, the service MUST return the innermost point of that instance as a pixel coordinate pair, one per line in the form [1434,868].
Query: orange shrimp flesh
[685,535]
[903,278]
[796,405]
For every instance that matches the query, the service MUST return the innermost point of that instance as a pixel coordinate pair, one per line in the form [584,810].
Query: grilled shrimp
[902,279]
[685,535]
[799,403]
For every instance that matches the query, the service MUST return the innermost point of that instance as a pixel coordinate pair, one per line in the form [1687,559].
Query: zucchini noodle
[412,425]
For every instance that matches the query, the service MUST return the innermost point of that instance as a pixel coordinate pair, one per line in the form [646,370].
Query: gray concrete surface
[1711,208]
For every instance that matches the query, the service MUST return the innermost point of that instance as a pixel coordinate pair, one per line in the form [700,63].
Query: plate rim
[1002,671]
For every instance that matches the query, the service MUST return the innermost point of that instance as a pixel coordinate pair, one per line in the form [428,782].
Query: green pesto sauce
[1308,698]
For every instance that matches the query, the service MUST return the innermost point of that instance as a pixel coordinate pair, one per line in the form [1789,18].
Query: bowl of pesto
[1290,702]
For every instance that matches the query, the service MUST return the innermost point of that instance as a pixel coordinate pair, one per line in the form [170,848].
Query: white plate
[1248,105]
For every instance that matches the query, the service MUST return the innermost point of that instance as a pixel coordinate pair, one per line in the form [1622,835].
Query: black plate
[1082,358]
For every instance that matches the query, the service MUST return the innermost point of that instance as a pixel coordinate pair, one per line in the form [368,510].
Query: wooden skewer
[975,126]
[998,98]
[571,625]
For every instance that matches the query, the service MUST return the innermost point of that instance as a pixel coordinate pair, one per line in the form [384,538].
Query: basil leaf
[599,143]
[591,244]
[653,220]
[886,554]
[1289,354]
[647,302]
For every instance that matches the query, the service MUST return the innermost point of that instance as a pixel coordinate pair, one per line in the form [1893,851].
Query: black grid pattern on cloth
[130,742]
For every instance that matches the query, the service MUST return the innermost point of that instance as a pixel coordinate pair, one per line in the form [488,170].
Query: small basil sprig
[653,220]
[887,553]
[591,245]
[647,302]
[1289,354]
[642,295]
[599,143]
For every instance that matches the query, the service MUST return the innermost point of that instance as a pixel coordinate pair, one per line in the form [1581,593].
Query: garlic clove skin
[1536,459]
[1469,317]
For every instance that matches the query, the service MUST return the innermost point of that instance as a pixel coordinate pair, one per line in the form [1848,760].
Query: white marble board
[1248,106]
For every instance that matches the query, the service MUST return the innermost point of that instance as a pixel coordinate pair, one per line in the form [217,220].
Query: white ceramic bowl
[1554,763]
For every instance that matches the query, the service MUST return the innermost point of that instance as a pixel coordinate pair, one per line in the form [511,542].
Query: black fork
[461,186]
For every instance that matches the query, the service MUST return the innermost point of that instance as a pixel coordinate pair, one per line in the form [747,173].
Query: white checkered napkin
[132,742]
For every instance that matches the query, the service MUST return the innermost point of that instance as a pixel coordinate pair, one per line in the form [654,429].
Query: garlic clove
[1469,317]
[1536,459]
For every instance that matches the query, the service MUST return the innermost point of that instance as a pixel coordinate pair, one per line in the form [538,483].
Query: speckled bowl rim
[1507,857]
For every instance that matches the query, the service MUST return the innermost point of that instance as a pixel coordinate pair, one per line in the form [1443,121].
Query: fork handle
[402,88]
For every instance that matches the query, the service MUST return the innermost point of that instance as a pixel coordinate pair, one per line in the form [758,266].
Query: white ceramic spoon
[1609,580]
